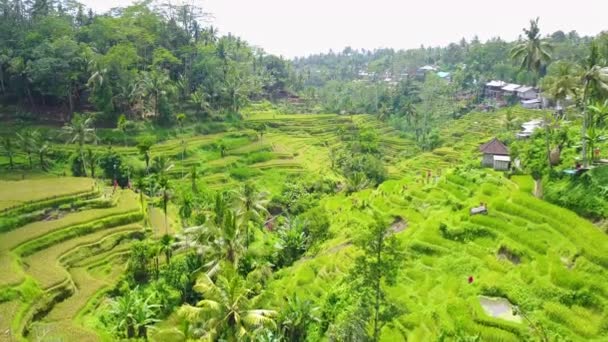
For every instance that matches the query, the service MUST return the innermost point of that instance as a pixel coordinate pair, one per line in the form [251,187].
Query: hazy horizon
[305,28]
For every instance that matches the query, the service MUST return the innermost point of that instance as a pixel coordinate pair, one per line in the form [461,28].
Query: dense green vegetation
[199,188]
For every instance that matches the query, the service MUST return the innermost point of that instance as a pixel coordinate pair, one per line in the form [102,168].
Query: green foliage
[243,173]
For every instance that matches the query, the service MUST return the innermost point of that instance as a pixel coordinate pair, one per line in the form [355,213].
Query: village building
[445,75]
[510,89]
[495,155]
[527,93]
[531,104]
[422,71]
[528,128]
[493,89]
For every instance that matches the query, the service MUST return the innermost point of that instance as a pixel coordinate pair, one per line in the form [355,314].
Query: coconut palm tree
[132,314]
[80,131]
[156,84]
[599,111]
[144,147]
[122,125]
[296,317]
[140,185]
[27,140]
[250,205]
[226,312]
[162,165]
[92,158]
[222,147]
[260,130]
[595,82]
[193,178]
[40,145]
[166,247]
[9,148]
[533,53]
[563,82]
[185,209]
[165,193]
[215,243]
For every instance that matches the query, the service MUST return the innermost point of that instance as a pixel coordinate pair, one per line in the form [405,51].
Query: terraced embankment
[544,259]
[63,256]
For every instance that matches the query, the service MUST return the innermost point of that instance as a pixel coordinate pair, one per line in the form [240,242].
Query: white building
[527,93]
[528,128]
[510,89]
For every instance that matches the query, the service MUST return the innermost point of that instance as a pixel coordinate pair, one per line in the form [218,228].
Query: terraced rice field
[549,263]
[51,267]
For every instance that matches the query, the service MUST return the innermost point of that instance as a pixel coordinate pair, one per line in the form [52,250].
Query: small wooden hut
[495,155]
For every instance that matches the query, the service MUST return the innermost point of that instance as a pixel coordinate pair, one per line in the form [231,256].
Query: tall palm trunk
[84,168]
[584,125]
[378,291]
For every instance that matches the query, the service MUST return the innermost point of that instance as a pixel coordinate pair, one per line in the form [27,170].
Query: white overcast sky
[297,28]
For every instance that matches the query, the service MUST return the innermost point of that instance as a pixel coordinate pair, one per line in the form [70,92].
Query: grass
[15,193]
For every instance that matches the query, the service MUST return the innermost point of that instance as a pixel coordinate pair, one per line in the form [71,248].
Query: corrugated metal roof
[511,87]
[443,74]
[524,89]
[494,83]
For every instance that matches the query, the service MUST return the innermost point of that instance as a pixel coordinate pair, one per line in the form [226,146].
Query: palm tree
[184,145]
[261,129]
[8,146]
[180,118]
[222,148]
[595,81]
[26,139]
[215,243]
[599,111]
[563,83]
[185,209]
[193,178]
[80,131]
[200,98]
[227,310]
[166,247]
[92,158]
[41,146]
[132,314]
[296,317]
[144,148]
[162,165]
[533,53]
[140,185]
[121,125]
[165,193]
[250,205]
[156,84]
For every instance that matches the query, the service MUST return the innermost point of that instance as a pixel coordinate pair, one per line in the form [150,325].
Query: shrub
[210,128]
[316,224]
[465,233]
[114,168]
[259,157]
[76,165]
[244,173]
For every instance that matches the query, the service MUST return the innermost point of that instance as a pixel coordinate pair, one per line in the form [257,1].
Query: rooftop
[428,68]
[443,74]
[511,87]
[524,89]
[495,83]
[494,146]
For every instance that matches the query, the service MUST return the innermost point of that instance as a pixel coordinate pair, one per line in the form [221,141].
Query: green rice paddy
[544,260]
